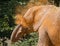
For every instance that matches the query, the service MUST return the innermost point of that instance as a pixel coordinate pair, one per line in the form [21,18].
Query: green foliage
[7,15]
[29,40]
[55,2]
[6,19]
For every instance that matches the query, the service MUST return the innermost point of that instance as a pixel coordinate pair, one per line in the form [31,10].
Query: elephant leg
[43,38]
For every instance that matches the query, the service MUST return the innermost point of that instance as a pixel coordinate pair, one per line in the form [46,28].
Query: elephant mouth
[18,33]
[21,31]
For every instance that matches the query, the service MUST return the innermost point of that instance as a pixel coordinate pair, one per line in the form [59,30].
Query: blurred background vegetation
[7,13]
[6,16]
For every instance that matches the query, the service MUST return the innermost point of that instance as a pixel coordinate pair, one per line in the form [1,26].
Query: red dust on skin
[45,20]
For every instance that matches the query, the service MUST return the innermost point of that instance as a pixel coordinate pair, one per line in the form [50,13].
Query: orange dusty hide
[45,20]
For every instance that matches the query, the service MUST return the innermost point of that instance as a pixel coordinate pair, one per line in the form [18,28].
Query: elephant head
[36,18]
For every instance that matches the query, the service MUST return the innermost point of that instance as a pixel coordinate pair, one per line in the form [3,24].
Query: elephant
[44,19]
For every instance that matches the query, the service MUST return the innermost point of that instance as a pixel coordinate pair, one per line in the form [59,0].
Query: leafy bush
[29,40]
[7,16]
